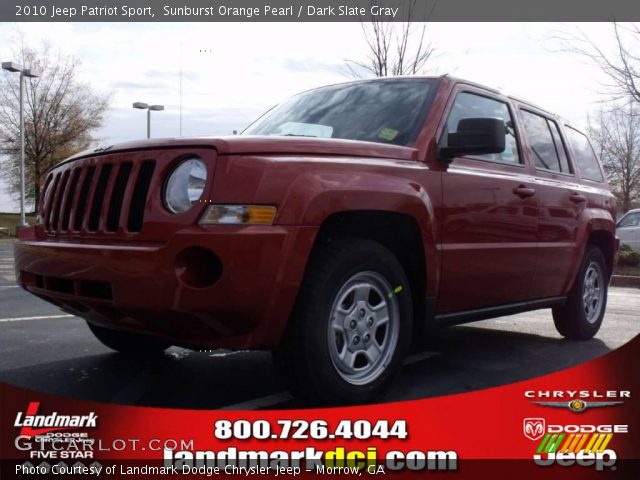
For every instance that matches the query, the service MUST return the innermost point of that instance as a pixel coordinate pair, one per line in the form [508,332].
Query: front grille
[109,196]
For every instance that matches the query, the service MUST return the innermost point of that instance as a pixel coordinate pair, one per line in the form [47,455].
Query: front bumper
[140,287]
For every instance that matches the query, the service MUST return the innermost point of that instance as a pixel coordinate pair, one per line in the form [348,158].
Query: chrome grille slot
[73,185]
[138,201]
[98,197]
[83,198]
[117,196]
[51,202]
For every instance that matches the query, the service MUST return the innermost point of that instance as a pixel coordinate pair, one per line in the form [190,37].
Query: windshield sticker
[388,134]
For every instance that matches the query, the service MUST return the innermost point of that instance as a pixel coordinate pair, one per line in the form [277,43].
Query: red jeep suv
[334,229]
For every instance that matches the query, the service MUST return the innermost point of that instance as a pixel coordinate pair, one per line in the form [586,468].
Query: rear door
[489,215]
[561,200]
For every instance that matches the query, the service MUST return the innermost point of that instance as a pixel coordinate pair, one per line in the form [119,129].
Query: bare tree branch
[394,48]
[60,114]
[620,66]
[616,135]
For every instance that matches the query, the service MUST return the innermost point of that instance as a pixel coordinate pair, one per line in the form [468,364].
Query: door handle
[523,191]
[577,198]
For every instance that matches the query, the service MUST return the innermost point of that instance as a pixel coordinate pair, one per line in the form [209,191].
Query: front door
[490,216]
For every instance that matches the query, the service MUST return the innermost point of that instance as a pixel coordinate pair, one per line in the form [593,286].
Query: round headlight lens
[185,185]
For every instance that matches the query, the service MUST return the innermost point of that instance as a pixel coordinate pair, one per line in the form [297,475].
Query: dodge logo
[533,428]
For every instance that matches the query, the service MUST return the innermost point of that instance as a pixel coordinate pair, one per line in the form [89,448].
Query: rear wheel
[127,342]
[580,318]
[351,327]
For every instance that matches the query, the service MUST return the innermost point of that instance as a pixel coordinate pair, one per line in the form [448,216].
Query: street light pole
[23,220]
[30,73]
[143,106]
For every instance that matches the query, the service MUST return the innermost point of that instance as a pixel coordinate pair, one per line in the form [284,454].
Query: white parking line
[44,317]
[260,402]
[9,286]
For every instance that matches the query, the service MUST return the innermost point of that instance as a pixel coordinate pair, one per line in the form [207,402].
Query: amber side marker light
[238,215]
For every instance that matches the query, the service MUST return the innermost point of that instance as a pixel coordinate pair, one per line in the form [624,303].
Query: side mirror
[475,136]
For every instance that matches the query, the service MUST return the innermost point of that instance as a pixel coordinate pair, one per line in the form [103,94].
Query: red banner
[579,422]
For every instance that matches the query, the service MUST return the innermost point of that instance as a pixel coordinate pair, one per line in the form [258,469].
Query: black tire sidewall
[353,258]
[571,320]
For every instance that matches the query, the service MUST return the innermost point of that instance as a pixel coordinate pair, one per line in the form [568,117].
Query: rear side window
[586,159]
[469,105]
[545,143]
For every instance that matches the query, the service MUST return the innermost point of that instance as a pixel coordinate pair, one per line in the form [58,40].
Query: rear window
[585,157]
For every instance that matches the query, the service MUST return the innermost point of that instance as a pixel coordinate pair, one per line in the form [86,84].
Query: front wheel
[351,327]
[581,317]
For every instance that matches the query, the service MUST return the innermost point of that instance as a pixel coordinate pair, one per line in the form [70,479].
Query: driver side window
[470,105]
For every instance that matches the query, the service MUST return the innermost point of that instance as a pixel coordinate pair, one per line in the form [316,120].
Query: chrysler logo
[577,405]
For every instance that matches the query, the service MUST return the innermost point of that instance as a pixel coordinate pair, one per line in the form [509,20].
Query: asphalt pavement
[44,349]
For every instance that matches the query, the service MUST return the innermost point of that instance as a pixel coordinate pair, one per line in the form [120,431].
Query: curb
[625,281]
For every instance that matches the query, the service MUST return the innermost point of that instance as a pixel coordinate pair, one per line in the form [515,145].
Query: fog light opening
[198,267]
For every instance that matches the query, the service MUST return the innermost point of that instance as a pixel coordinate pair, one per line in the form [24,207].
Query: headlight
[238,215]
[185,185]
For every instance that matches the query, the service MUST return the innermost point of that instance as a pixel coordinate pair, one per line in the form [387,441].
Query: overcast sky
[231,72]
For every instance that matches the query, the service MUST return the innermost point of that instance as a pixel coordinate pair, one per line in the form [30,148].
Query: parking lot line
[44,317]
[9,286]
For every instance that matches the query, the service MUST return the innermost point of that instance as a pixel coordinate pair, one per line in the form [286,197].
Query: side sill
[457,318]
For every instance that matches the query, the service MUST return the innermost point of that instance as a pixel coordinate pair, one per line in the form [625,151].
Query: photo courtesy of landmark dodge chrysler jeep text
[338,226]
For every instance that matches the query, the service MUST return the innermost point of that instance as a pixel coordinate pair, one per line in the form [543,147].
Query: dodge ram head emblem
[533,428]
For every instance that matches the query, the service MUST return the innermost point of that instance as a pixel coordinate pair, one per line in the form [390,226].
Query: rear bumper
[143,287]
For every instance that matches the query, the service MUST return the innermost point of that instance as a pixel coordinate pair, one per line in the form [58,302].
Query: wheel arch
[399,232]
[604,240]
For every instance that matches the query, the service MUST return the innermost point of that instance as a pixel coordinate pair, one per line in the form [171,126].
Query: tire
[338,348]
[581,316]
[127,342]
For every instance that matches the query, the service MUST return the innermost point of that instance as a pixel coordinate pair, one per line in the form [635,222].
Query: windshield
[384,111]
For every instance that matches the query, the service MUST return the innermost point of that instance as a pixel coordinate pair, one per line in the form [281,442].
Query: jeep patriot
[337,227]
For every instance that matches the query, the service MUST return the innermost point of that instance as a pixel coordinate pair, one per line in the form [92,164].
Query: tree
[61,112]
[621,65]
[395,48]
[616,136]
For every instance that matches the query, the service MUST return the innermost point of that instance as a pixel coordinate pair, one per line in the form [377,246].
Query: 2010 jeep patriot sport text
[335,228]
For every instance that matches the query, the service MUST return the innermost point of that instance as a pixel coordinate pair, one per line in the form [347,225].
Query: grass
[9,221]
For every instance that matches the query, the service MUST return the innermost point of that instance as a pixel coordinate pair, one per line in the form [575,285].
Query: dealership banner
[581,422]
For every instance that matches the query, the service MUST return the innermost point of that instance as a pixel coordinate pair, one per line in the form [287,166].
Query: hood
[238,144]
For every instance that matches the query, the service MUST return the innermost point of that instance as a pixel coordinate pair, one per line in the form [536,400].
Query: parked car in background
[628,229]
[336,228]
